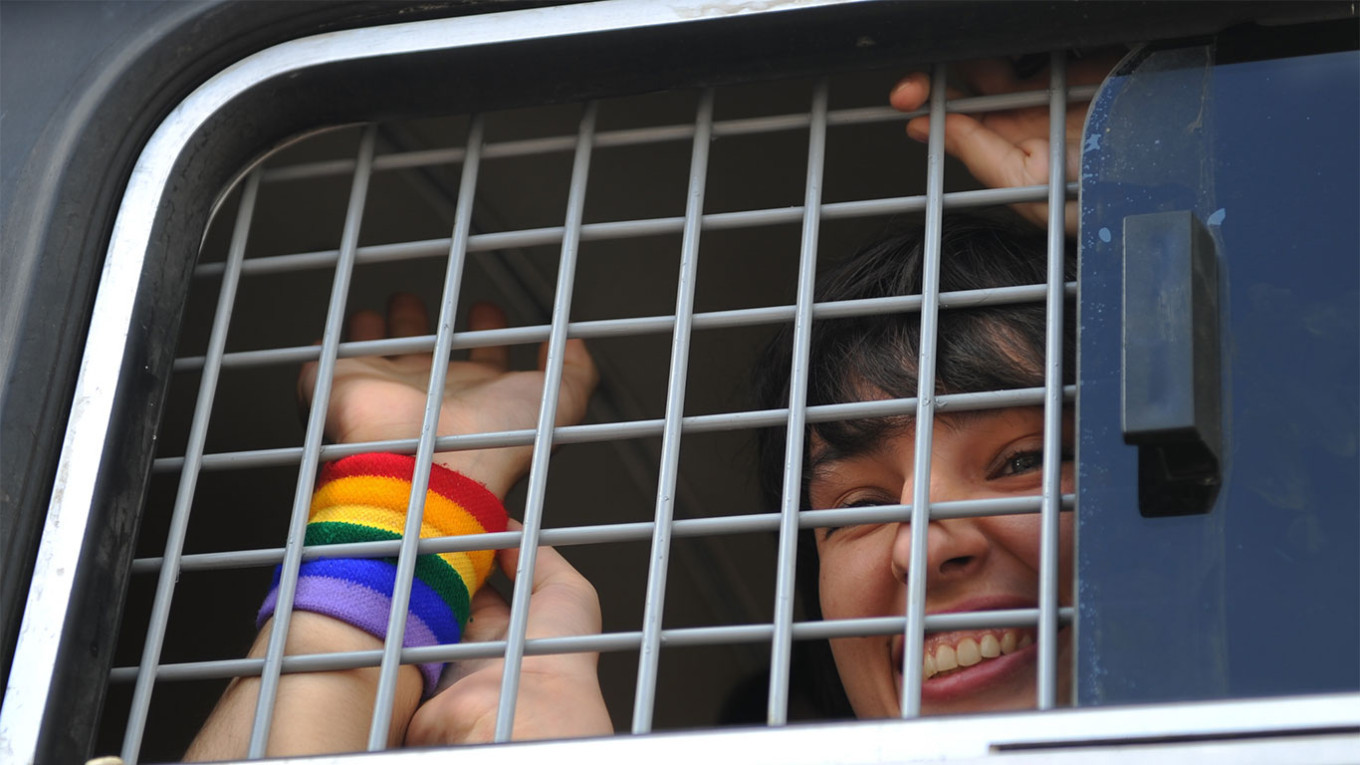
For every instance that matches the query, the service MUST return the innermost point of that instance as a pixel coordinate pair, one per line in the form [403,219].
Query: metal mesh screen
[524,197]
[676,233]
[509,263]
[510,257]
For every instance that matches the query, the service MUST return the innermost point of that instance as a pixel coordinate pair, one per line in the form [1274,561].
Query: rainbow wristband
[363,499]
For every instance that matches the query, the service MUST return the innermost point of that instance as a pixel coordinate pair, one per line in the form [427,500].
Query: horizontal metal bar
[588,330]
[608,533]
[609,230]
[608,642]
[664,133]
[578,434]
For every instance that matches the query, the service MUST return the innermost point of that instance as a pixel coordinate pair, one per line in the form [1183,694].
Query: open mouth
[966,665]
[952,652]
[976,669]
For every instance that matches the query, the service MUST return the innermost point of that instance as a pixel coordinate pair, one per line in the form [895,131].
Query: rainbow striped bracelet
[363,498]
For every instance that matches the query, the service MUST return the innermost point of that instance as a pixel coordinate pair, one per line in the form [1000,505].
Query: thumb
[562,602]
[578,364]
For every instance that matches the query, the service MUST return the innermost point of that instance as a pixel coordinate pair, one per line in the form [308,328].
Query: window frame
[202,145]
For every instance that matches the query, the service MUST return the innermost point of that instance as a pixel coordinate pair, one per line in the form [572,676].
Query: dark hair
[997,347]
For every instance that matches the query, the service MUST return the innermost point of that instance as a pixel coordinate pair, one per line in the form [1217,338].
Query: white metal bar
[626,229]
[188,481]
[316,422]
[655,598]
[912,670]
[781,647]
[1050,584]
[543,433]
[731,634]
[664,133]
[611,532]
[738,317]
[578,434]
[415,510]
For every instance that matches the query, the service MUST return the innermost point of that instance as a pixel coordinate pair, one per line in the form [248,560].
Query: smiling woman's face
[974,564]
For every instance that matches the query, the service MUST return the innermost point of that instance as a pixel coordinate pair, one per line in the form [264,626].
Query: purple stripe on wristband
[361,607]
[381,576]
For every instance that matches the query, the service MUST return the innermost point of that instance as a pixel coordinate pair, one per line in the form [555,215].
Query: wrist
[310,633]
[345,694]
[364,498]
[496,469]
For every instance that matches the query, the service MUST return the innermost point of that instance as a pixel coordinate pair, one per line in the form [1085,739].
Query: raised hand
[377,398]
[559,694]
[382,398]
[1007,148]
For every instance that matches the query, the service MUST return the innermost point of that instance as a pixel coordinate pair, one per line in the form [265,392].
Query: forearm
[315,712]
[343,604]
[338,603]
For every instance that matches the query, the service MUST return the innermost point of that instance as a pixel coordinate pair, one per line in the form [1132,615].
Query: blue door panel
[1261,594]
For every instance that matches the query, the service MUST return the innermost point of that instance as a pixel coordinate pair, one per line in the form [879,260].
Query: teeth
[968,652]
[1008,642]
[945,659]
[990,648]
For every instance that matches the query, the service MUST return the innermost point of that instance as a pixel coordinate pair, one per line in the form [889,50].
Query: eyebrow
[821,463]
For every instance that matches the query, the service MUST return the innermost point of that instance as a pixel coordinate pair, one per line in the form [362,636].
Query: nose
[955,549]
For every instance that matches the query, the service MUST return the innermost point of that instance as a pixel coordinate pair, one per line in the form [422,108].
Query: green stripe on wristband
[430,569]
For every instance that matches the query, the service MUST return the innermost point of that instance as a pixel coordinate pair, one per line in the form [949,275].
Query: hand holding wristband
[363,498]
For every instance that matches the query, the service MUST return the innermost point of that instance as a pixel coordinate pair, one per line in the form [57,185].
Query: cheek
[830,592]
[1020,536]
[865,671]
[856,580]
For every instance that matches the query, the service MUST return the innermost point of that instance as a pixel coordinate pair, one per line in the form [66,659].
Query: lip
[1004,670]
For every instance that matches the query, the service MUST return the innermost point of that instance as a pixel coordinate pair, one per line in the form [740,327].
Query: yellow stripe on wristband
[395,494]
[473,567]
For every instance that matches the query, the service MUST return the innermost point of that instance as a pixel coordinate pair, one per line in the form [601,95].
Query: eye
[853,501]
[865,502]
[1021,462]
[1024,461]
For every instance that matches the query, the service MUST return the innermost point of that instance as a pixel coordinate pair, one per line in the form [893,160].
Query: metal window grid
[649,639]
[663,527]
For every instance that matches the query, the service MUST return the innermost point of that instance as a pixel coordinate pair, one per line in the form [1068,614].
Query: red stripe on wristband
[472,496]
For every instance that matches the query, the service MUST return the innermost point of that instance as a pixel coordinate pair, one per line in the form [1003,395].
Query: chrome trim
[68,513]
[1313,729]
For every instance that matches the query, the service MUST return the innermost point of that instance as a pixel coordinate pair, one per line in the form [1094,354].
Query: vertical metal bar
[420,479]
[781,648]
[912,670]
[547,415]
[311,444]
[1049,513]
[188,480]
[655,600]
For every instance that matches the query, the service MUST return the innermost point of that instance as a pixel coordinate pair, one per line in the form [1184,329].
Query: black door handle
[1170,385]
